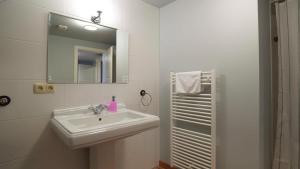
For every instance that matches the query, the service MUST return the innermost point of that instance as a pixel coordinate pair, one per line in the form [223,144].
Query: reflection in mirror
[82,52]
[88,65]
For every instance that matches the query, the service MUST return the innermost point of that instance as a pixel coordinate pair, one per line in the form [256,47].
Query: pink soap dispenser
[112,107]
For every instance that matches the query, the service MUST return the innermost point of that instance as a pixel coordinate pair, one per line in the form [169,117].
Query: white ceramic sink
[80,127]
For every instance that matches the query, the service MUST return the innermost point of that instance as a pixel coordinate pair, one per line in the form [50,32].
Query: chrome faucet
[98,109]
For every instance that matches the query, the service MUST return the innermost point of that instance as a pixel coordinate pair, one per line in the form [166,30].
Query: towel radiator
[193,125]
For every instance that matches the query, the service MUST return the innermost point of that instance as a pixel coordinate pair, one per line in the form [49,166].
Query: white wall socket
[43,88]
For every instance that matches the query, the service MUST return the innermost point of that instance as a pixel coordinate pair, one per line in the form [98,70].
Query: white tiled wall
[26,139]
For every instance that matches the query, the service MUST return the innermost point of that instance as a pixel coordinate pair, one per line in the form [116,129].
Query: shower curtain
[285,151]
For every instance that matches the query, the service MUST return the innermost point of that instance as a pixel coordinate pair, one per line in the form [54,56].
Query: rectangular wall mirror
[83,52]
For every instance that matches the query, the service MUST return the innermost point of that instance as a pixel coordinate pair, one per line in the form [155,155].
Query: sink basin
[80,127]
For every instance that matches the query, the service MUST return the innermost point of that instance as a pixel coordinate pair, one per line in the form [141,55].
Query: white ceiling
[159,3]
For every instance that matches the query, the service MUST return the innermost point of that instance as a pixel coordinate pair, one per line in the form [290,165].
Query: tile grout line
[33,42]
[42,115]
[14,159]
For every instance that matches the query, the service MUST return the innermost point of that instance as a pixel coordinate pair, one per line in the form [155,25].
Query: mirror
[83,52]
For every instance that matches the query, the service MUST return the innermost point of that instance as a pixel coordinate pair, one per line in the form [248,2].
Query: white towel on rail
[188,82]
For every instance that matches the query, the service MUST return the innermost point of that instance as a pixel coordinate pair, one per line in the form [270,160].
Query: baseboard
[164,165]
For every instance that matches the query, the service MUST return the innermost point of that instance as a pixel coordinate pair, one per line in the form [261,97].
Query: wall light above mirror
[83,52]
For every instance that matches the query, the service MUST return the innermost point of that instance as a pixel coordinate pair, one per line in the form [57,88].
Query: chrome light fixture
[96,19]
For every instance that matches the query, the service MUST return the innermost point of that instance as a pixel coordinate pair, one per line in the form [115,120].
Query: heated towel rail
[193,125]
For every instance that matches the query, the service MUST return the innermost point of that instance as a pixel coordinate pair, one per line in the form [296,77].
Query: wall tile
[25,103]
[143,28]
[52,5]
[22,59]
[34,145]
[9,111]
[143,68]
[14,164]
[18,137]
[30,104]
[30,142]
[85,94]
[23,21]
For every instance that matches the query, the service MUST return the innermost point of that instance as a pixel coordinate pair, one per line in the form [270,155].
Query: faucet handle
[91,107]
[102,106]
[98,109]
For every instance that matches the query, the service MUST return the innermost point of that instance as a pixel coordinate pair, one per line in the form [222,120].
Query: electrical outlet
[50,88]
[43,88]
[39,88]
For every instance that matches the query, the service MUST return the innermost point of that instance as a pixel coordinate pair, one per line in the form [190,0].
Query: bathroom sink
[80,127]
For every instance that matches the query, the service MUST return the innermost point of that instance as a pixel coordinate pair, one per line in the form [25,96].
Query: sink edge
[80,140]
